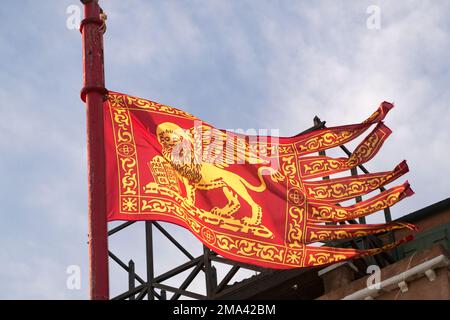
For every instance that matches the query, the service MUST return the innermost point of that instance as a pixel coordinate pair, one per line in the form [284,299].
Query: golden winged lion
[200,157]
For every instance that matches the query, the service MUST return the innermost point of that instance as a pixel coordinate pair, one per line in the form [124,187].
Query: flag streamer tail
[328,138]
[321,256]
[322,233]
[342,189]
[321,166]
[322,212]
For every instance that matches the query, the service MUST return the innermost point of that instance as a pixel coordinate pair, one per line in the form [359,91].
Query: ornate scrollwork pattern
[126,159]
[120,101]
[251,248]
[323,141]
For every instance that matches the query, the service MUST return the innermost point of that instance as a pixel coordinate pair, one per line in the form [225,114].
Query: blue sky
[235,64]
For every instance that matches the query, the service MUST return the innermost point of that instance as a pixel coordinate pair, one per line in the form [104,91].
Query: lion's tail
[274,175]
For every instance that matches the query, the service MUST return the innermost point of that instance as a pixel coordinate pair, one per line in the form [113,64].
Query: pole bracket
[98,21]
[86,90]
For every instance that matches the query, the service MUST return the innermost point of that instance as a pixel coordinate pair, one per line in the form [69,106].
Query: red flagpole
[93,93]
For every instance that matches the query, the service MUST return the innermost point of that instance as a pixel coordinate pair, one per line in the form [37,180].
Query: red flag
[252,199]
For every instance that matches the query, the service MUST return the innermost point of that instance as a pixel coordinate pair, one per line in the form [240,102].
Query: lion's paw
[221,212]
[255,219]
[249,221]
[215,211]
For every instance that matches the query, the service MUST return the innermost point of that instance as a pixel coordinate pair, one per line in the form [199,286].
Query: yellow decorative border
[127,161]
[322,140]
[129,102]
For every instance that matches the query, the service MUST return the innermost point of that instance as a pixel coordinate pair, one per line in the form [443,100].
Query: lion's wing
[223,148]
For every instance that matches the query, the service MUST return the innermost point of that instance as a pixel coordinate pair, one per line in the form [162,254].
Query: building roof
[427,211]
